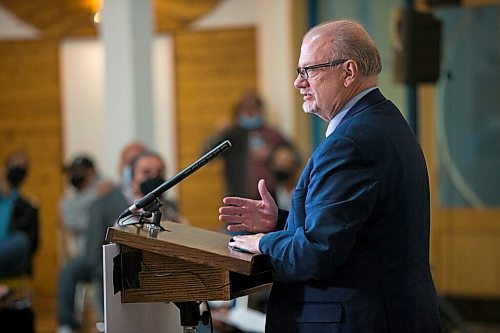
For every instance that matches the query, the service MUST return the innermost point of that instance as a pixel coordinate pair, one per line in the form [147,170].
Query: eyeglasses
[302,71]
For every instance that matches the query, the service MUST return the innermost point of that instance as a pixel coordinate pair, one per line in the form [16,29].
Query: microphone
[151,196]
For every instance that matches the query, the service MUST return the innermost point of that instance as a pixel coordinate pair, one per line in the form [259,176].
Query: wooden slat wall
[213,69]
[30,121]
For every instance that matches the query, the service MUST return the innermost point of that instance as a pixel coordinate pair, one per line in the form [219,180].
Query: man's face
[323,92]
[146,168]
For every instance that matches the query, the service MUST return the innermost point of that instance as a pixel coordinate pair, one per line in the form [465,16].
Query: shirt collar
[339,116]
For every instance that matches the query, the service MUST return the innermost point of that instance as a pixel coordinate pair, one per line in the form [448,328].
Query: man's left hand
[249,243]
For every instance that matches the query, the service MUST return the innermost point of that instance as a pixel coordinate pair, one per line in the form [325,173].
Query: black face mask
[15,176]
[150,184]
[77,181]
[282,176]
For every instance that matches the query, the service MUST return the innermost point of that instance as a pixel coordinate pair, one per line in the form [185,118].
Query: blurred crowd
[90,204]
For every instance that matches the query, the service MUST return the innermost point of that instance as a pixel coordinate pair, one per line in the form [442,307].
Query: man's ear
[350,72]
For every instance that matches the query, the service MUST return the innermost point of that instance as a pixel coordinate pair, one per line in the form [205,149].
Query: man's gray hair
[349,40]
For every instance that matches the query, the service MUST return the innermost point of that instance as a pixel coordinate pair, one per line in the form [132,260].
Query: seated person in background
[18,219]
[286,164]
[84,186]
[147,172]
[18,243]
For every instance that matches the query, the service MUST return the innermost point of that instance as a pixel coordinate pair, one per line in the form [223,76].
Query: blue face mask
[250,122]
[127,176]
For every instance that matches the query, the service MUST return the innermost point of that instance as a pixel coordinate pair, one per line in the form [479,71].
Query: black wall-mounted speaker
[416,44]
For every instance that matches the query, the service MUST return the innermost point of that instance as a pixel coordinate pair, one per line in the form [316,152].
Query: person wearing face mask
[285,162]
[84,186]
[252,142]
[19,221]
[82,189]
[19,233]
[147,171]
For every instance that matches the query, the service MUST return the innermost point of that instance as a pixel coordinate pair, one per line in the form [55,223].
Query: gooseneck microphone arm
[151,196]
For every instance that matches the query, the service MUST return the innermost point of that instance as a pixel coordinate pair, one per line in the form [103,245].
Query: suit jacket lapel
[370,99]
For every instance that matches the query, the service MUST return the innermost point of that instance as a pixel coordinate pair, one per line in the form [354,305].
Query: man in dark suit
[352,255]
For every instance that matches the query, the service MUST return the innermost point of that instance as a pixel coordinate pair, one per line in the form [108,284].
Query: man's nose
[300,82]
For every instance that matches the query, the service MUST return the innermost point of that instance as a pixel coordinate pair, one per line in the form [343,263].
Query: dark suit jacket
[354,253]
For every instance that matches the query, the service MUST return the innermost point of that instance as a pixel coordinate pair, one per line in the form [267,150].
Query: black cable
[121,222]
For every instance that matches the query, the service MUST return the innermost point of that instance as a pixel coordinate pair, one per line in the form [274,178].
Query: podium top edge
[189,243]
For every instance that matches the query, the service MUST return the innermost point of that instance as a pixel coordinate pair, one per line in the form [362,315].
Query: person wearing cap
[84,187]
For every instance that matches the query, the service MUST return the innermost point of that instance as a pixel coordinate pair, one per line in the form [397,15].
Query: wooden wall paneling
[473,252]
[31,121]
[476,262]
[427,140]
[213,69]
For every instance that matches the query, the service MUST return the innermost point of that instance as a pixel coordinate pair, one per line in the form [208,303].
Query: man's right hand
[250,215]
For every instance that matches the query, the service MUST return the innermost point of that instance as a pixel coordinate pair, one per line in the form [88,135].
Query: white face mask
[250,122]
[127,176]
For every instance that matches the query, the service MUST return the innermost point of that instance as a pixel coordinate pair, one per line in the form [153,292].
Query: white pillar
[164,103]
[276,63]
[127,29]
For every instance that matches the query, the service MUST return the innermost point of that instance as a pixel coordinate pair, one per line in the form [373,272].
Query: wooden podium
[181,264]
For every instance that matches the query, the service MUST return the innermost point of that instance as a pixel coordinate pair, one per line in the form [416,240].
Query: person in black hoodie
[18,219]
[18,243]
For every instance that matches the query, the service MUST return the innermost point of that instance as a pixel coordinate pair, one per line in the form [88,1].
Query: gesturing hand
[250,215]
